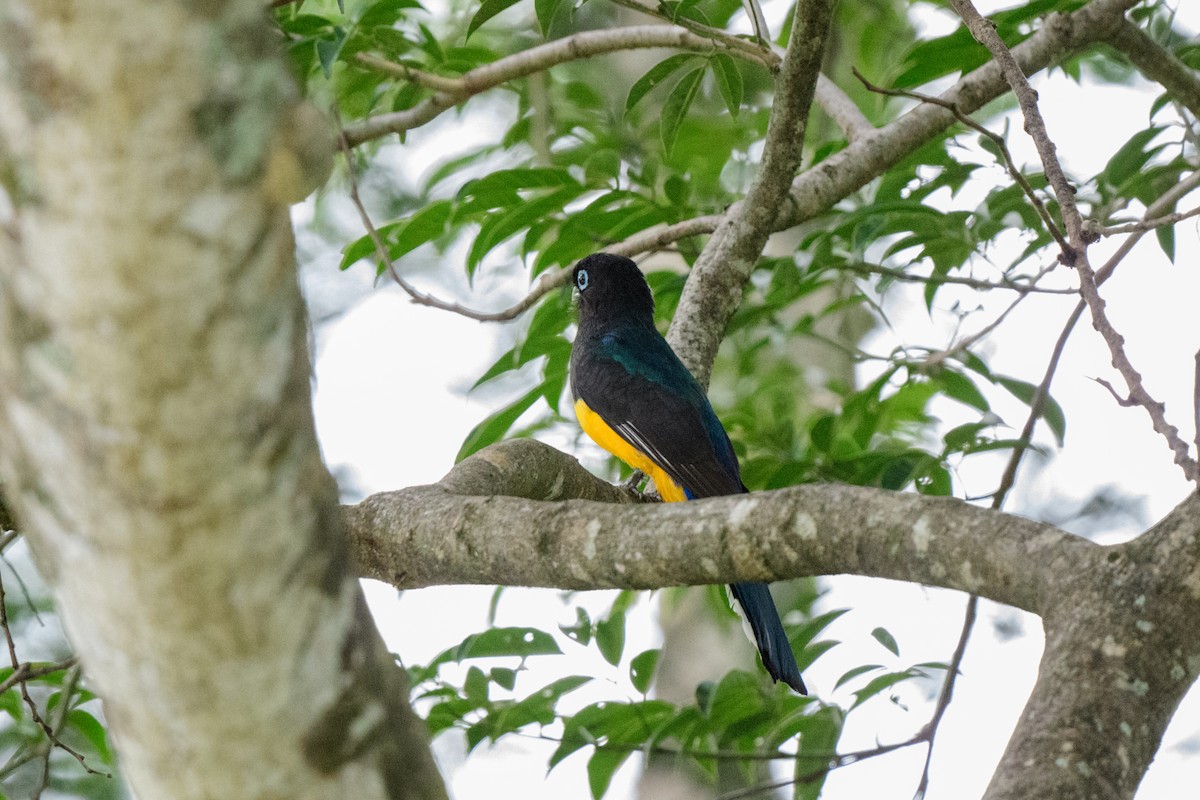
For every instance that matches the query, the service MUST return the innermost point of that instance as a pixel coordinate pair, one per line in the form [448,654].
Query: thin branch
[1037,406]
[714,287]
[1147,224]
[1196,401]
[1157,64]
[27,671]
[833,101]
[930,731]
[452,91]
[961,345]
[1166,201]
[57,724]
[545,284]
[817,190]
[837,762]
[770,55]
[758,20]
[1020,287]
[1133,378]
[33,710]
[985,33]
[996,138]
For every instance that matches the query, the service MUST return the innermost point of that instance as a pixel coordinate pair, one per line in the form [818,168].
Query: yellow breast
[611,441]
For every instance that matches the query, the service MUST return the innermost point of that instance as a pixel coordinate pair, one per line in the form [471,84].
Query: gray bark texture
[158,443]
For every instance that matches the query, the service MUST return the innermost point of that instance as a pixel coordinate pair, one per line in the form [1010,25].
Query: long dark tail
[773,645]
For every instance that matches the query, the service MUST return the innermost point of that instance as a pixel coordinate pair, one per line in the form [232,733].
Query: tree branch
[488,522]
[714,288]
[985,33]
[842,110]
[818,189]
[1157,64]
[452,91]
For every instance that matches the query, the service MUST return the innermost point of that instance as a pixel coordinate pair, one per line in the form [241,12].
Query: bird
[637,400]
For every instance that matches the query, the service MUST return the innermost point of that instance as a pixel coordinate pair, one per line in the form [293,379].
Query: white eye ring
[581,279]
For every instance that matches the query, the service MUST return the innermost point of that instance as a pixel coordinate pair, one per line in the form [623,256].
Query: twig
[929,732]
[975,283]
[24,589]
[985,33]
[817,190]
[758,20]
[27,672]
[770,55]
[836,762]
[1147,224]
[545,284]
[60,720]
[996,138]
[33,711]
[1124,402]
[452,91]
[1196,401]
[1133,378]
[961,345]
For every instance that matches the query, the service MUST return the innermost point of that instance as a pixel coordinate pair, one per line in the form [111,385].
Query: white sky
[391,409]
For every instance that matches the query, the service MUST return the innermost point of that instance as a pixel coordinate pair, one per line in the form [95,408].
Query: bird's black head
[612,286]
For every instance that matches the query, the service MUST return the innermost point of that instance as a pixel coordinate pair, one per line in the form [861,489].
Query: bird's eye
[581,279]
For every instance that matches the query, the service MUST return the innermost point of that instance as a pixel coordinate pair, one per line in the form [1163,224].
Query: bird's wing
[638,386]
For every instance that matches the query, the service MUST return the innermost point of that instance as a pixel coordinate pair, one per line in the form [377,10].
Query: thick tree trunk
[154,405]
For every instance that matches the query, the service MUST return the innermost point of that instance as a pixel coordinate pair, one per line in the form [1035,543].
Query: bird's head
[612,286]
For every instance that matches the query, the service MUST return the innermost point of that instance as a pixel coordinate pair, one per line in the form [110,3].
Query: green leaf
[1132,156]
[610,637]
[93,731]
[1166,240]
[963,389]
[501,187]
[881,682]
[729,81]
[851,674]
[601,767]
[499,227]
[654,76]
[492,429]
[1052,412]
[581,631]
[820,738]
[641,669]
[676,107]
[402,237]
[738,697]
[328,50]
[885,638]
[546,10]
[475,687]
[489,9]
[504,677]
[386,12]
[521,642]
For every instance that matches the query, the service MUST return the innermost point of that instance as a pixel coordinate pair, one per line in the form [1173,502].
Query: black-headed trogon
[637,400]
